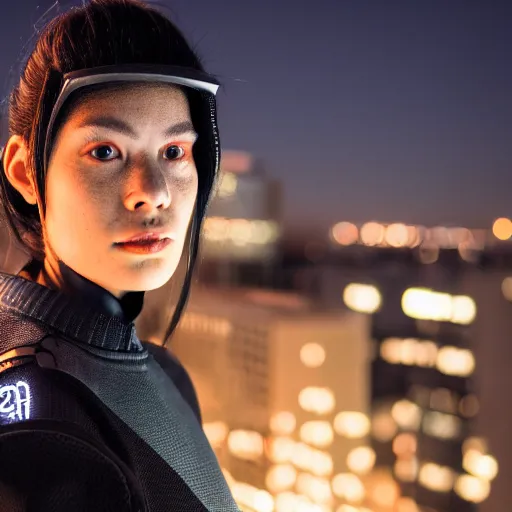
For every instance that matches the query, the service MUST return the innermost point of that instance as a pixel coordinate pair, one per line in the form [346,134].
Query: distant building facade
[285,396]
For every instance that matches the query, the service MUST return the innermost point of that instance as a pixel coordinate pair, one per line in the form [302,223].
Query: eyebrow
[113,123]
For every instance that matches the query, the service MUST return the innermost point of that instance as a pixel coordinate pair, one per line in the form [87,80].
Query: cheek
[73,203]
[187,193]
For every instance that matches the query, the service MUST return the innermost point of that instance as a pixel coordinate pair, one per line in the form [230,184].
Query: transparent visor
[174,75]
[76,80]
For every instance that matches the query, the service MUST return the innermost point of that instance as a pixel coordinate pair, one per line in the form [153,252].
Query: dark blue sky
[386,110]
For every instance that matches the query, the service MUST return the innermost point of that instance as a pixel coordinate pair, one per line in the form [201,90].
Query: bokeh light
[506,288]
[363,298]
[349,487]
[282,423]
[502,228]
[345,233]
[472,489]
[317,433]
[455,361]
[353,425]
[480,465]
[245,444]
[317,400]
[361,460]
[281,478]
[372,234]
[436,478]
[312,355]
[406,414]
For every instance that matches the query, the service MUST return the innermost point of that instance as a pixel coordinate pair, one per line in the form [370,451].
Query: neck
[61,277]
[58,276]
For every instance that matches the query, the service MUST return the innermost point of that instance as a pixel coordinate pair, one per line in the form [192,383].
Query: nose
[147,190]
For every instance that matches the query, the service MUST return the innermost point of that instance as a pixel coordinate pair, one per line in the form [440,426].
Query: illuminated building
[423,393]
[441,322]
[285,397]
[490,287]
[426,239]
[242,228]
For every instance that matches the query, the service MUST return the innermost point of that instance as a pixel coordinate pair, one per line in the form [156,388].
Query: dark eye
[173,152]
[104,153]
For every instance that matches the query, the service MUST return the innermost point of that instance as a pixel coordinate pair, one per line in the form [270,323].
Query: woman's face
[122,167]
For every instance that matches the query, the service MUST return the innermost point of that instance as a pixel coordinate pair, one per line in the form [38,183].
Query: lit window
[317,433]
[361,460]
[463,310]
[407,469]
[480,465]
[426,354]
[245,444]
[281,449]
[316,488]
[345,233]
[384,426]
[281,477]
[308,459]
[317,400]
[372,234]
[391,350]
[405,445]
[349,487]
[363,298]
[406,414]
[455,361]
[436,478]
[282,423]
[441,425]
[425,304]
[472,489]
[353,425]
[397,235]
[312,355]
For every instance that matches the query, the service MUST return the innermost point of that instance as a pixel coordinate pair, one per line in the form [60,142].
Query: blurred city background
[349,329]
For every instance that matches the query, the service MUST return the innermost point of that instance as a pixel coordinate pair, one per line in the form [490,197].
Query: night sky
[365,110]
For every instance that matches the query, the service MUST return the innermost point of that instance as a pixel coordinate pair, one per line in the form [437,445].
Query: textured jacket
[151,410]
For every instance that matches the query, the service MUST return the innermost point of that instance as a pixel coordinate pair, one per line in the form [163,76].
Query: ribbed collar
[91,315]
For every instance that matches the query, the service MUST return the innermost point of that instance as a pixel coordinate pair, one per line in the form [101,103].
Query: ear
[17,170]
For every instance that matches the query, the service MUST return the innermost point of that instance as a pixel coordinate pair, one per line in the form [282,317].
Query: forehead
[153,103]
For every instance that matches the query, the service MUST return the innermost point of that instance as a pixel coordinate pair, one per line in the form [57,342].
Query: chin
[146,278]
[142,281]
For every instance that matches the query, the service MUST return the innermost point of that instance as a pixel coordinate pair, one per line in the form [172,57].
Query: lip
[145,237]
[146,245]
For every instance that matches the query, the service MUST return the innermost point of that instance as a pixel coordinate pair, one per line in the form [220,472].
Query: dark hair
[102,33]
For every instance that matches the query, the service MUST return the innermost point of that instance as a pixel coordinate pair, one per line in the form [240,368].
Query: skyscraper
[285,396]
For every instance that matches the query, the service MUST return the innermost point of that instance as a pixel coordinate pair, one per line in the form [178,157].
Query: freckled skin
[92,203]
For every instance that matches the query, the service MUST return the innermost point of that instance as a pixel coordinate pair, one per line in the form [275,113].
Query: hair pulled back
[102,33]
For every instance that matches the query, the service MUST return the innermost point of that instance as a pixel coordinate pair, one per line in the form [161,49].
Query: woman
[111,160]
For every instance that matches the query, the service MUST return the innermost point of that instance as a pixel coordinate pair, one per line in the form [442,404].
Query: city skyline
[364,111]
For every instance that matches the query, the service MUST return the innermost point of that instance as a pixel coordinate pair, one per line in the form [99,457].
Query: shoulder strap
[177,373]
[142,397]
